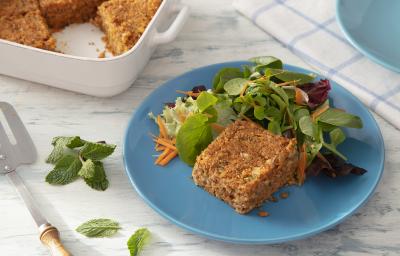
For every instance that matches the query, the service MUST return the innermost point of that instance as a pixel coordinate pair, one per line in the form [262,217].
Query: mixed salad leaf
[287,103]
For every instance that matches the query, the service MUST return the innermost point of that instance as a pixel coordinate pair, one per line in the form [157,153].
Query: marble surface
[213,33]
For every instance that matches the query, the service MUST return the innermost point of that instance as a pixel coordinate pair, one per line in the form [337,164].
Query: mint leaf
[206,100]
[235,86]
[96,151]
[88,169]
[60,144]
[70,142]
[139,239]
[99,179]
[65,171]
[98,228]
[340,118]
[193,137]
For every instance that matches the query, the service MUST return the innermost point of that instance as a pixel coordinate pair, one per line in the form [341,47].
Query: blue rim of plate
[254,241]
[359,46]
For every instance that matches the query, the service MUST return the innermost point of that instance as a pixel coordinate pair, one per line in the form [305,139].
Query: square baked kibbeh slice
[124,21]
[245,164]
[61,13]
[22,22]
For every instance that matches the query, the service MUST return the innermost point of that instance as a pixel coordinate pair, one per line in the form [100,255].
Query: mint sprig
[74,157]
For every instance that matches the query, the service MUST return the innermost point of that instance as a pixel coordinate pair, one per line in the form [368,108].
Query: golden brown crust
[245,164]
[21,22]
[124,21]
[17,7]
[60,13]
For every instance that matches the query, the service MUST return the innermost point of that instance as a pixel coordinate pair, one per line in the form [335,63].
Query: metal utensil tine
[24,144]
[7,152]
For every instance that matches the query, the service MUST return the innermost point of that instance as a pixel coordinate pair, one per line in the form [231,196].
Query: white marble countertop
[214,33]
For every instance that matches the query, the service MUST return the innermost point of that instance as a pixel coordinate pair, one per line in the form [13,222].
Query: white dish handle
[170,34]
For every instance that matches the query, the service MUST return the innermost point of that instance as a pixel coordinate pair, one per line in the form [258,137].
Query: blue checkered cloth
[309,29]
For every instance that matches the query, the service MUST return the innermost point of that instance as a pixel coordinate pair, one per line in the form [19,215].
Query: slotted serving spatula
[14,155]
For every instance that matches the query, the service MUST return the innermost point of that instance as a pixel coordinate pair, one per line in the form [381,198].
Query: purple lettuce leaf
[333,166]
[317,92]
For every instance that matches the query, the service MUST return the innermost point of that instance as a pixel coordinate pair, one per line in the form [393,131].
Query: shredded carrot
[288,82]
[217,127]
[161,126]
[166,143]
[168,158]
[263,214]
[163,155]
[160,147]
[319,111]
[299,98]
[301,169]
[189,93]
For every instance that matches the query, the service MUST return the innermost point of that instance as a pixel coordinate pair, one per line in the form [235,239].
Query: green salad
[287,103]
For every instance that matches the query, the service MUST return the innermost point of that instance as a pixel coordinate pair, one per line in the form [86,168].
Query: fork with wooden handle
[22,152]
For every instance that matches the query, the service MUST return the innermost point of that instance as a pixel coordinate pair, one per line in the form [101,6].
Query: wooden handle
[51,238]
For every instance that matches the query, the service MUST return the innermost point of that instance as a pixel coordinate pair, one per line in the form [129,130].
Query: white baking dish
[91,75]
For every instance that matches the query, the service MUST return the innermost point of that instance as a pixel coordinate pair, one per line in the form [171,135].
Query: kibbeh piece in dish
[22,22]
[17,7]
[61,13]
[245,164]
[124,21]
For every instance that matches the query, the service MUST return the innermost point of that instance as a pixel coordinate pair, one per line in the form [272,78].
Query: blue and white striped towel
[309,29]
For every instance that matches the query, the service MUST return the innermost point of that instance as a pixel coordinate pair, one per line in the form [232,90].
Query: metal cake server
[22,152]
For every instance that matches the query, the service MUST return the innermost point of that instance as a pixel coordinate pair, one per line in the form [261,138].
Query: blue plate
[319,204]
[373,27]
